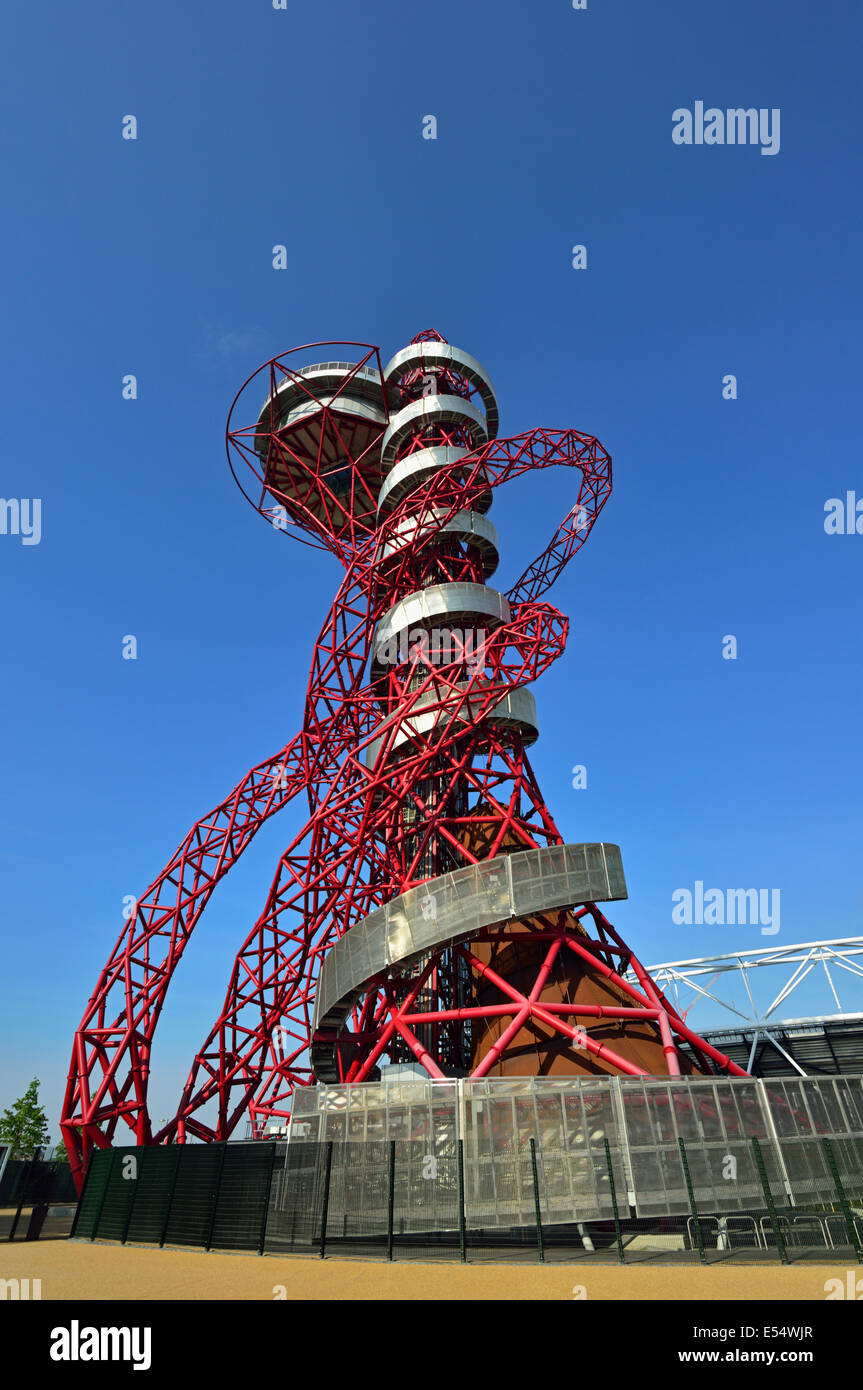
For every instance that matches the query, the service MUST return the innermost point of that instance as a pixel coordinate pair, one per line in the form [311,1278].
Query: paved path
[79,1270]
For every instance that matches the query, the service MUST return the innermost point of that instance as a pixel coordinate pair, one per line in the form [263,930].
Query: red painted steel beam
[369,830]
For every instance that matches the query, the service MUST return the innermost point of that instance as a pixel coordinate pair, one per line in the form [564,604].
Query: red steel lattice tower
[428,912]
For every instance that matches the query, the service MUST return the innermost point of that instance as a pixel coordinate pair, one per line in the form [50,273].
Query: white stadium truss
[769,1040]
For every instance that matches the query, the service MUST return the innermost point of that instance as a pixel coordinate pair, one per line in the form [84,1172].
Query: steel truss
[410,768]
[825,963]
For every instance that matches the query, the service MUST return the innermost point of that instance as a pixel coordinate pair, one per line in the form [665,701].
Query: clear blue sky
[153,257]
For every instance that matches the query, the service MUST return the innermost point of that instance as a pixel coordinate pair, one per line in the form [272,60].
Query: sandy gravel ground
[79,1270]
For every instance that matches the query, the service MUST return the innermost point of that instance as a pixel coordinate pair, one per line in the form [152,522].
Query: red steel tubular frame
[353,854]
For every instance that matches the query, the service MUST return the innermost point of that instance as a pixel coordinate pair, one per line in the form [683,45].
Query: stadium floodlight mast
[429,911]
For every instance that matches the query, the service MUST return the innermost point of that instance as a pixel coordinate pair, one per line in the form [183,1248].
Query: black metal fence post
[108,1177]
[139,1165]
[689,1188]
[24,1179]
[462,1236]
[81,1195]
[539,1246]
[215,1203]
[285,1190]
[266,1218]
[768,1197]
[613,1190]
[181,1150]
[843,1200]
[326,1202]
[37,1220]
[391,1198]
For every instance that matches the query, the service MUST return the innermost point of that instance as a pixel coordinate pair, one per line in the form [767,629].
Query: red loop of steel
[336,869]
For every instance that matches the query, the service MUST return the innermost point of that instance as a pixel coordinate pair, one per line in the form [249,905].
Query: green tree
[24,1126]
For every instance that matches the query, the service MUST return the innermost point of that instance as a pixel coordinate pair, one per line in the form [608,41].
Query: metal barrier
[393,1200]
[592,1168]
[37,1200]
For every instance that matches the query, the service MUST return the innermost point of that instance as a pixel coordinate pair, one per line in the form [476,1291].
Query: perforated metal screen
[400,1169]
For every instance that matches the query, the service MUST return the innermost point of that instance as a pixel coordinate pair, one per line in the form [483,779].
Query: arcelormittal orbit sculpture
[428,911]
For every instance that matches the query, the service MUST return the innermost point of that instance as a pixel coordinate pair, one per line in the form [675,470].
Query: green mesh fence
[243,1196]
[193,1202]
[294,1219]
[120,1193]
[153,1195]
[34,1180]
[95,1187]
